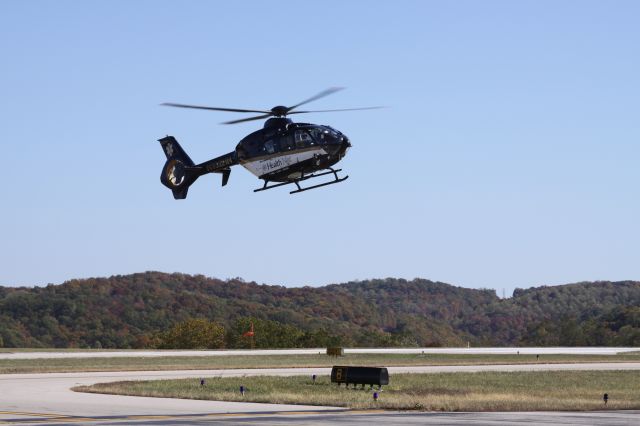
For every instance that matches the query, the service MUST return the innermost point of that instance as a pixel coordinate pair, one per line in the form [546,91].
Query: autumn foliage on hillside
[155,309]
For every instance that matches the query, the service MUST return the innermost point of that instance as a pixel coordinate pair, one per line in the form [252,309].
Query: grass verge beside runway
[486,391]
[59,365]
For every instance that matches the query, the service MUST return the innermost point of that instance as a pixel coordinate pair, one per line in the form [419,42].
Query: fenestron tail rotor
[277,111]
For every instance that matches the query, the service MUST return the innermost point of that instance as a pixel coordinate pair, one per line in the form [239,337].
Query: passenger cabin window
[242,152]
[303,139]
[269,146]
[286,142]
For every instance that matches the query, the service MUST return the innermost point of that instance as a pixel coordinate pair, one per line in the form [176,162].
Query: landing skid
[297,182]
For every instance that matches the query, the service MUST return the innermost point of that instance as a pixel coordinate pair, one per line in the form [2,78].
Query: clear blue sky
[509,156]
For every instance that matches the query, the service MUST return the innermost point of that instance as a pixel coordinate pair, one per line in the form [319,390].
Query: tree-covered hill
[131,311]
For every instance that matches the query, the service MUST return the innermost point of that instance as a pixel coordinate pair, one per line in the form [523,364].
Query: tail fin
[179,172]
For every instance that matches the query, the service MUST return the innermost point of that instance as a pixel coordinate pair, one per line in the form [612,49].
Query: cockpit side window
[318,135]
[303,138]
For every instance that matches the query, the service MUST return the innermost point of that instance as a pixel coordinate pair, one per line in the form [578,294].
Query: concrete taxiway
[239,352]
[364,418]
[47,398]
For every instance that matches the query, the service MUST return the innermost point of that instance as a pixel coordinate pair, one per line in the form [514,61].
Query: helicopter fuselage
[285,151]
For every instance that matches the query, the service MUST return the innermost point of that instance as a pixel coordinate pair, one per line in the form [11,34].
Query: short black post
[241,390]
[202,381]
[313,377]
[375,396]
[605,398]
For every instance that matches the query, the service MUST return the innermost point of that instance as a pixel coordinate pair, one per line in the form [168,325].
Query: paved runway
[47,398]
[364,418]
[240,352]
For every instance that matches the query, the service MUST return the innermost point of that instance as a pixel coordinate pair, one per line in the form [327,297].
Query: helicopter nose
[345,144]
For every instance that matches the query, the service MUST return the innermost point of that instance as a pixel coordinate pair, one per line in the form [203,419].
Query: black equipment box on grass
[335,351]
[360,375]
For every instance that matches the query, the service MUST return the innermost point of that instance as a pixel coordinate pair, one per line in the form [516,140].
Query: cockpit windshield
[316,135]
[336,134]
[323,134]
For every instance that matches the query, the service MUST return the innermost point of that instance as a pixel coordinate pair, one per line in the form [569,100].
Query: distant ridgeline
[155,309]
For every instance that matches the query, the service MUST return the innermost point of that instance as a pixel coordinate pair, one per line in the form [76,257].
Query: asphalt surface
[395,418]
[47,398]
[7,354]
[365,418]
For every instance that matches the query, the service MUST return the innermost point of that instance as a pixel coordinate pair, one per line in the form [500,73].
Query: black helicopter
[282,151]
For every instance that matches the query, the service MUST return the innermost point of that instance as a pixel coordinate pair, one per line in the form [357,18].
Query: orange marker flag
[249,333]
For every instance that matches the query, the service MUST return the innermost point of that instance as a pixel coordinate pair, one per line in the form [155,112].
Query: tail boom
[179,171]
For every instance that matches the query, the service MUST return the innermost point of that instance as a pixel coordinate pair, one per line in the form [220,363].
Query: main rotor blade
[333,110]
[318,96]
[213,108]
[258,117]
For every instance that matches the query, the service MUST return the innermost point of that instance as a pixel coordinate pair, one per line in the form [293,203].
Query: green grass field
[487,391]
[275,361]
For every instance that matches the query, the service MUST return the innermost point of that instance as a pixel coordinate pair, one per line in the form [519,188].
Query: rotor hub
[279,111]
[277,122]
